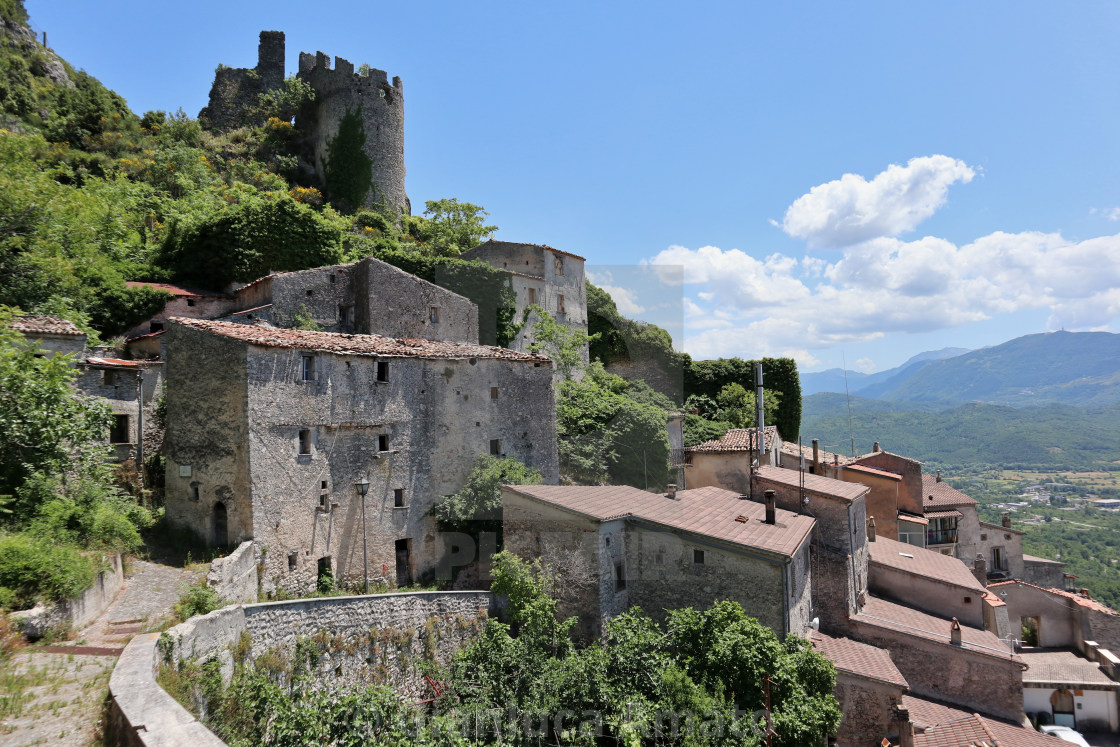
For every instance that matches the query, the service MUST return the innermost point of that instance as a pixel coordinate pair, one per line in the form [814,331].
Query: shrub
[198,599]
[35,569]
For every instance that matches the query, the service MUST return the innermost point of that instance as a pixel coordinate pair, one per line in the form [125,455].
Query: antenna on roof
[851,433]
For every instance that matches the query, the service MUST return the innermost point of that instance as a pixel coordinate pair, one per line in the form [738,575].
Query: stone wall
[234,577]
[192,307]
[869,710]
[1049,574]
[76,613]
[932,595]
[119,386]
[1010,542]
[235,92]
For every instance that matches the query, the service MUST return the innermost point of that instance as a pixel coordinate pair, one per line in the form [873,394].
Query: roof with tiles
[1063,667]
[340,344]
[939,494]
[922,562]
[178,290]
[826,486]
[737,440]
[873,471]
[1079,599]
[872,454]
[1001,528]
[880,613]
[1036,559]
[40,324]
[826,457]
[496,244]
[858,658]
[709,511]
[935,719]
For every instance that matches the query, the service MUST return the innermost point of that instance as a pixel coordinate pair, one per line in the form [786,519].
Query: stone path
[57,692]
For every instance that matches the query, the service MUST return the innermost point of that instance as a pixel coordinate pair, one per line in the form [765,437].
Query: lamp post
[362,486]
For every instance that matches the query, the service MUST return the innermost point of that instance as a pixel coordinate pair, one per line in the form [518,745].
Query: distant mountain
[1054,434]
[1077,368]
[832,380]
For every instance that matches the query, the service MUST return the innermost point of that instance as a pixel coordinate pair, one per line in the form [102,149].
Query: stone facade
[255,451]
[235,92]
[234,577]
[184,302]
[131,389]
[882,498]
[364,297]
[869,708]
[541,276]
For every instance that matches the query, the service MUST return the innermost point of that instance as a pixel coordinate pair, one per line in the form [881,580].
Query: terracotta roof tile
[874,471]
[110,363]
[880,613]
[939,494]
[706,511]
[858,658]
[40,324]
[926,713]
[737,440]
[826,457]
[372,345]
[969,731]
[922,562]
[1036,559]
[944,513]
[1078,599]
[944,726]
[825,486]
[178,290]
[1063,667]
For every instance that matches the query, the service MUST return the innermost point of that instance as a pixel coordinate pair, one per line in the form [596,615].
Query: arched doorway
[1061,703]
[221,525]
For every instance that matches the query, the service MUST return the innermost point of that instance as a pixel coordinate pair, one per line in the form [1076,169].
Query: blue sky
[979,140]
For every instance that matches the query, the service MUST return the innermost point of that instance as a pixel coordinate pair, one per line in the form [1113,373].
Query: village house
[1063,687]
[542,276]
[328,450]
[618,546]
[51,334]
[939,725]
[726,461]
[194,303]
[367,297]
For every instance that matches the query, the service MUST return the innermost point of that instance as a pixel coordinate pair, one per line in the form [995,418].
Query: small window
[323,498]
[968,600]
[155,327]
[983,537]
[383,370]
[619,578]
[308,368]
[195,491]
[560,303]
[118,432]
[398,498]
[496,447]
[433,315]
[532,296]
[311,293]
[293,558]
[109,377]
[559,265]
[383,442]
[493,392]
[323,485]
[305,442]
[698,557]
[332,279]
[344,315]
[190,302]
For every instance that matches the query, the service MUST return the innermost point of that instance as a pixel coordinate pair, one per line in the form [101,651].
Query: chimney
[771,511]
[906,734]
[672,494]
[1084,593]
[955,632]
[938,478]
[870,528]
[876,448]
[816,456]
[1006,520]
[980,569]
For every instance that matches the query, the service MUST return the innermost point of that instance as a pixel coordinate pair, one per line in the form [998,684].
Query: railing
[941,537]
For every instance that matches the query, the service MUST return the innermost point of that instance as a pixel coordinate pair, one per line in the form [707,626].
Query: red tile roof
[1001,528]
[40,324]
[1036,559]
[177,290]
[912,518]
[874,471]
[817,484]
[111,363]
[922,562]
[1078,599]
[947,726]
[826,457]
[944,513]
[939,494]
[1063,668]
[372,345]
[737,440]
[712,512]
[858,658]
[880,613]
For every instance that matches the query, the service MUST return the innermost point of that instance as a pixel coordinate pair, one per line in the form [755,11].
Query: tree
[478,504]
[564,344]
[451,227]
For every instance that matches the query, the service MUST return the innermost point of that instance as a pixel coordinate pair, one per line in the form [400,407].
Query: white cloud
[752,307]
[1112,213]
[852,209]
[626,300]
[866,365]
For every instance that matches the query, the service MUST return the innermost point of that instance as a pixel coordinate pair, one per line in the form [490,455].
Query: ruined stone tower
[356,118]
[353,132]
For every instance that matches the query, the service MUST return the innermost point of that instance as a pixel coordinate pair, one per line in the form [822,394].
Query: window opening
[304,441]
[293,558]
[560,303]
[495,447]
[404,562]
[308,370]
[383,442]
[698,557]
[118,432]
[190,302]
[559,265]
[433,314]
[221,525]
[619,578]
[383,371]
[398,498]
[532,296]
[493,392]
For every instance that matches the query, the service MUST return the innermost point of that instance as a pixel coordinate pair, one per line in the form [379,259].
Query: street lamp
[362,485]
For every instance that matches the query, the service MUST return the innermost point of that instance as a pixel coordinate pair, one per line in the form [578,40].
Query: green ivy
[348,169]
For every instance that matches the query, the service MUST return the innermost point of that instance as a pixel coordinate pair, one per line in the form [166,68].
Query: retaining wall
[358,640]
[78,612]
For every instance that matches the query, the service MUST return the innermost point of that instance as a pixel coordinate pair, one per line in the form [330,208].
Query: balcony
[941,537]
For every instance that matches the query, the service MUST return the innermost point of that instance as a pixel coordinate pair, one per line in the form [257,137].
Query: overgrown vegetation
[696,680]
[477,507]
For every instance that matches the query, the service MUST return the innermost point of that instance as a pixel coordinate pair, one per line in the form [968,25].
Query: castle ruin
[353,131]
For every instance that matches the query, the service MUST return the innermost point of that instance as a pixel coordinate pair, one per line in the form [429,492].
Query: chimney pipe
[938,478]
[906,734]
[1084,593]
[955,632]
[980,569]
[1006,520]
[771,511]
[876,448]
[870,528]
[672,494]
[816,456]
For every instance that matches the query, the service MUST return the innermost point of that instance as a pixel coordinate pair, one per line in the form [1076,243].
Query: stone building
[618,546]
[367,297]
[939,725]
[726,461]
[51,334]
[194,303]
[131,389]
[271,431]
[542,276]
[355,117]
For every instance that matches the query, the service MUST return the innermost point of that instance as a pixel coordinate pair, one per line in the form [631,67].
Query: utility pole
[139,422]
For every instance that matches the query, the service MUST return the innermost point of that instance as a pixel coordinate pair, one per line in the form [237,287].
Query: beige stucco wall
[931,595]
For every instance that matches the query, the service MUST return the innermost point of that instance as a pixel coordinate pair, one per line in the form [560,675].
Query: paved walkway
[60,689]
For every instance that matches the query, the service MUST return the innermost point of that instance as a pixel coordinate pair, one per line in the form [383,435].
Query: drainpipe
[140,426]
